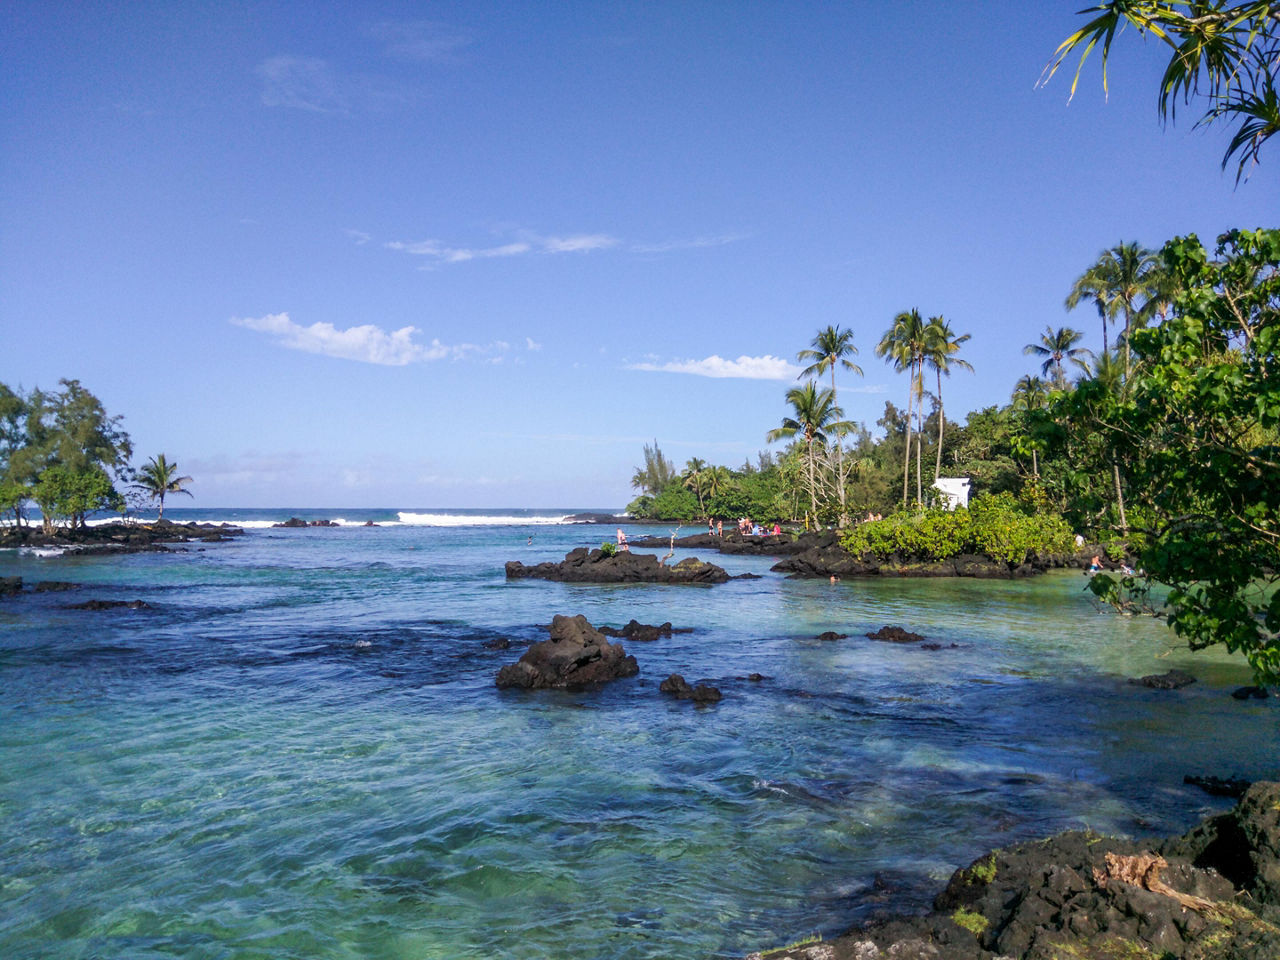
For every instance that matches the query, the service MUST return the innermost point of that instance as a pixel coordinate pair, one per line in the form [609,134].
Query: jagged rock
[832,635]
[1212,894]
[110,605]
[641,632]
[575,655]
[595,566]
[1172,680]
[10,585]
[895,635]
[678,687]
[497,643]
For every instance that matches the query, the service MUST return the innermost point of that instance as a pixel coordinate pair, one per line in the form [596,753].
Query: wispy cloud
[524,243]
[426,41]
[367,343]
[691,243]
[304,83]
[767,367]
[359,236]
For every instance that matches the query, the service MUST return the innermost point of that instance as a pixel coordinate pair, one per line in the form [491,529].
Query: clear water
[299,752]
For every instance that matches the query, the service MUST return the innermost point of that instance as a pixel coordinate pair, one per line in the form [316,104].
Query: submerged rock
[110,605]
[54,586]
[1250,693]
[1212,894]
[595,566]
[575,655]
[10,585]
[1219,786]
[1173,680]
[832,635]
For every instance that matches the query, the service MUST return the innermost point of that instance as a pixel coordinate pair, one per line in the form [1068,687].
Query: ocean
[298,751]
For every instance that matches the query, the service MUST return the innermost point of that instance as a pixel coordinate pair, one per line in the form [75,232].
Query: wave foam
[473,520]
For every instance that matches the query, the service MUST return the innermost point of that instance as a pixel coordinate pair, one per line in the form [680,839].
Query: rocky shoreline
[109,538]
[818,554]
[597,566]
[1211,894]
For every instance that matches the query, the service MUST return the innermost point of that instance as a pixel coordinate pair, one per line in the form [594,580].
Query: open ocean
[298,751]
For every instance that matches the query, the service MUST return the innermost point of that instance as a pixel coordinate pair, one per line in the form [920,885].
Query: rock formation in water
[575,655]
[596,566]
[1212,894]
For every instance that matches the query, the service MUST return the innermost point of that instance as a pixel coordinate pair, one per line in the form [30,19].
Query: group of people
[871,516]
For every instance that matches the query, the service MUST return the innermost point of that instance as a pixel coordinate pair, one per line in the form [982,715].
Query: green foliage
[975,923]
[65,494]
[656,473]
[983,872]
[159,477]
[675,502]
[609,548]
[996,525]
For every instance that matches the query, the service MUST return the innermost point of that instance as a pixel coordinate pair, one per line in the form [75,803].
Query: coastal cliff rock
[594,566]
[1212,894]
[576,654]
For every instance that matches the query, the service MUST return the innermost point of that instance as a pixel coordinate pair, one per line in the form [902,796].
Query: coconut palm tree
[832,347]
[694,478]
[1056,346]
[940,353]
[1124,280]
[159,477]
[903,345]
[816,414]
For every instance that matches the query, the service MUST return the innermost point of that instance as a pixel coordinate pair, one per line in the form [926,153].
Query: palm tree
[694,479]
[159,477]
[1029,395]
[940,353]
[831,348]
[815,414]
[1125,279]
[903,345]
[1055,346]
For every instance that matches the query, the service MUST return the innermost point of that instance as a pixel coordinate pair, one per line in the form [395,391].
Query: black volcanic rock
[676,686]
[575,655]
[1173,680]
[595,566]
[896,635]
[641,632]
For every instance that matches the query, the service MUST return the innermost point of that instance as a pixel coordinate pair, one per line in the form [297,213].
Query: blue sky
[477,254]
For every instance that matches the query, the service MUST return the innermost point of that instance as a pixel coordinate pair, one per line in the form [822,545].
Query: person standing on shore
[622,542]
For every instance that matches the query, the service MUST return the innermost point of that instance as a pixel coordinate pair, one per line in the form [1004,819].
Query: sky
[441,254]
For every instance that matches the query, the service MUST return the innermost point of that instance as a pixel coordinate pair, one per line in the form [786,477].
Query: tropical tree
[815,414]
[941,346]
[903,345]
[656,473]
[832,347]
[1029,397]
[1056,346]
[158,477]
[694,478]
[1125,280]
[1225,52]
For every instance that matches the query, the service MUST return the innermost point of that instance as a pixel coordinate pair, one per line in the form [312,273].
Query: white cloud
[367,343]
[359,236]
[305,83]
[692,243]
[747,368]
[531,344]
[422,40]
[525,243]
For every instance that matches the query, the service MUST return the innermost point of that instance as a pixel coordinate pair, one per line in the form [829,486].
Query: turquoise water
[299,751]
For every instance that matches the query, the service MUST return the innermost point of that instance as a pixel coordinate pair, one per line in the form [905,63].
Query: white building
[954,491]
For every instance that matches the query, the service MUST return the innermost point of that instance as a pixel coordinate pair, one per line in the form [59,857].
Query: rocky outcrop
[1172,680]
[10,586]
[298,522]
[678,687]
[641,632]
[896,635]
[831,559]
[111,538]
[595,566]
[1212,894]
[575,655]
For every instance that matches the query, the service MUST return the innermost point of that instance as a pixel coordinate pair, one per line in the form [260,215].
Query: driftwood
[1143,870]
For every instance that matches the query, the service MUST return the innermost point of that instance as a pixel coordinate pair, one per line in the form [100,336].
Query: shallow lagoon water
[299,750]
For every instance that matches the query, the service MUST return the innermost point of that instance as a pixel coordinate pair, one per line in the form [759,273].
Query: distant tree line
[62,453]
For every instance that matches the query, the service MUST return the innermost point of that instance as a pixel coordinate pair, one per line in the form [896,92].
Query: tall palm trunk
[906,452]
[1115,473]
[942,419]
[919,431]
[813,490]
[844,513]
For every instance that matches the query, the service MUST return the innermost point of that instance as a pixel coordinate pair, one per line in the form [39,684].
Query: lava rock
[595,566]
[1250,693]
[1219,786]
[1173,680]
[10,585]
[111,605]
[641,632]
[678,687]
[832,635]
[54,586]
[575,655]
[895,635]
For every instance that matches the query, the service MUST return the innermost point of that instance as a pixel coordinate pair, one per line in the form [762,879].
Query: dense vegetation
[60,451]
